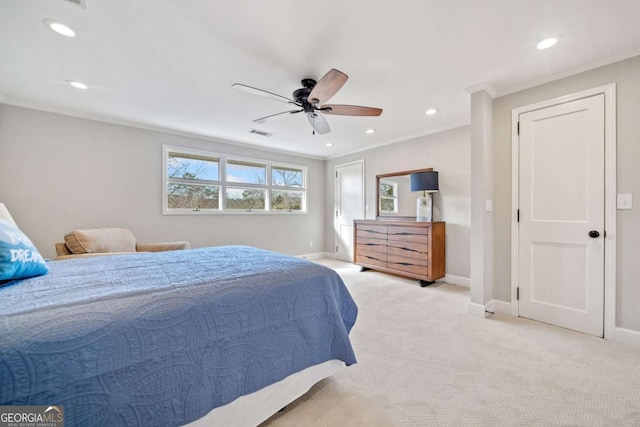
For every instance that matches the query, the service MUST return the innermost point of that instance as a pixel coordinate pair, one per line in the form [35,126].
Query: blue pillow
[19,259]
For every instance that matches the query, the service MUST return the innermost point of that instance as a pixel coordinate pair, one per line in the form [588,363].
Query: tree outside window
[189,181]
[288,198]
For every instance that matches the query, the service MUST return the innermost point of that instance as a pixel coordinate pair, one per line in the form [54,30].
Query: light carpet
[423,361]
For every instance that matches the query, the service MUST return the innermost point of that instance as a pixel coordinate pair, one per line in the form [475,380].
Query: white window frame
[223,184]
[394,184]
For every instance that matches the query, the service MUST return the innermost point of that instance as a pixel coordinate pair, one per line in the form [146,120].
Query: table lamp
[427,182]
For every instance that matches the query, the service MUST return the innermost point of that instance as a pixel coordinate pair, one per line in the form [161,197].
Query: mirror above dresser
[394,199]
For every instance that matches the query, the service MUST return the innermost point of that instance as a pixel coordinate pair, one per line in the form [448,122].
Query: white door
[561,211]
[349,205]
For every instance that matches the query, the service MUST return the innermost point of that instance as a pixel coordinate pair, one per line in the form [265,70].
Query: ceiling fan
[311,98]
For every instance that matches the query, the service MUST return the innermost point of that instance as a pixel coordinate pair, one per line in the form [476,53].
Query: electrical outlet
[311,243]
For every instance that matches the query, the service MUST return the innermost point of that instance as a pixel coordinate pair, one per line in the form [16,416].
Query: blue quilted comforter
[162,338]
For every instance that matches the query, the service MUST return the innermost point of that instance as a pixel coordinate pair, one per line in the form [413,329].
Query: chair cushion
[100,240]
[19,258]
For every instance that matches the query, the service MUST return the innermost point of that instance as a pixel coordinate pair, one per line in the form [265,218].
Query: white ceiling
[170,64]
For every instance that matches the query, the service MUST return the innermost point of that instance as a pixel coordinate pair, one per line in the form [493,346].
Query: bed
[212,336]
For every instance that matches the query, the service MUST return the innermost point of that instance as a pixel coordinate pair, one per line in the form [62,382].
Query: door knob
[594,234]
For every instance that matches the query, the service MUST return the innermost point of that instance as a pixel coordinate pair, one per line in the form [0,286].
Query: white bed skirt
[252,409]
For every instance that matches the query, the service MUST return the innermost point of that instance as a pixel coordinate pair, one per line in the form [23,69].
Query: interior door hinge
[518,293]
[518,215]
[336,174]
[336,248]
[518,128]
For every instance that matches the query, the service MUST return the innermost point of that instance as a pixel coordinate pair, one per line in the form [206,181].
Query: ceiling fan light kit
[311,98]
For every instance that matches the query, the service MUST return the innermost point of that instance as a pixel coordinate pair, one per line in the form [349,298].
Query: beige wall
[59,173]
[626,74]
[446,152]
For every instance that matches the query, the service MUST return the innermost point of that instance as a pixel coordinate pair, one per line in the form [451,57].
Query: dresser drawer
[408,249]
[407,231]
[378,246]
[408,234]
[404,266]
[371,258]
[401,259]
[372,231]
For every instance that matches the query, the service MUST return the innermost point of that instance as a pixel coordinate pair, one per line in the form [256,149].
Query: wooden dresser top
[405,222]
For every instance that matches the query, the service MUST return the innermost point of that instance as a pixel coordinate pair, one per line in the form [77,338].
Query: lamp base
[424,205]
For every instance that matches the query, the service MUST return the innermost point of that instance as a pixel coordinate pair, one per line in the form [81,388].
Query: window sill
[230,212]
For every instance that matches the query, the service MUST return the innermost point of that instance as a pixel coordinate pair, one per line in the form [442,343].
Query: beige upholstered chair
[108,241]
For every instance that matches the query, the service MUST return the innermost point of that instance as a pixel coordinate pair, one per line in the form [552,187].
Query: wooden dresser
[407,248]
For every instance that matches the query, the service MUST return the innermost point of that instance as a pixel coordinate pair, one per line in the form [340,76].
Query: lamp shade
[424,181]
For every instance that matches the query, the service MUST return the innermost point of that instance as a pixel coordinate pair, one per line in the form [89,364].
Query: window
[206,182]
[247,199]
[192,181]
[246,172]
[388,196]
[286,183]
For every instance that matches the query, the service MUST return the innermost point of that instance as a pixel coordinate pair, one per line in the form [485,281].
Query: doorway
[349,205]
[563,179]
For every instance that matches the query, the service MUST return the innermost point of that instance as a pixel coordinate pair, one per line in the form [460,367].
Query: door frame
[336,235]
[610,187]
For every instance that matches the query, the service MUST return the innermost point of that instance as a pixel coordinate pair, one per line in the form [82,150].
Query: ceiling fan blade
[265,93]
[275,116]
[318,123]
[350,110]
[327,86]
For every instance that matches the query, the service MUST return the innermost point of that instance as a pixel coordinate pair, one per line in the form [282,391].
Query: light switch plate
[625,201]
[488,205]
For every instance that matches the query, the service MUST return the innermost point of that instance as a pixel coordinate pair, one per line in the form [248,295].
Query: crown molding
[486,86]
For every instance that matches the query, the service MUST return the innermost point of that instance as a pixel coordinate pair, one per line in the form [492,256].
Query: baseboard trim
[457,280]
[497,306]
[316,255]
[477,310]
[627,336]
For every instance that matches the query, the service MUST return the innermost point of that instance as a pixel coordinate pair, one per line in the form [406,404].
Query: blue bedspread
[160,339]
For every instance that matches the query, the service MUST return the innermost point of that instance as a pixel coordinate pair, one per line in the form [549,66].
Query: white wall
[59,173]
[446,152]
[626,74]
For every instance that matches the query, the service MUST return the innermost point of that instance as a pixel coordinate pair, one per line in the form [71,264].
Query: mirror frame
[388,175]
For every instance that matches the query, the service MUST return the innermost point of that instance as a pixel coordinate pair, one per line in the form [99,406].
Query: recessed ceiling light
[370,130]
[328,144]
[78,85]
[431,111]
[547,43]
[59,27]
